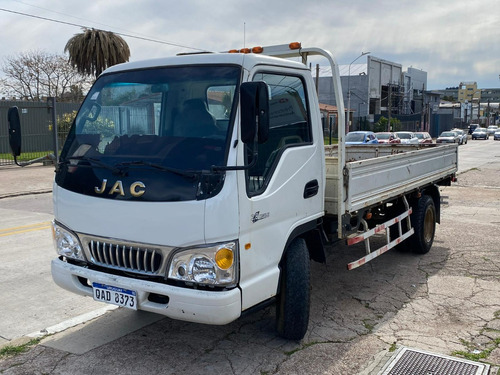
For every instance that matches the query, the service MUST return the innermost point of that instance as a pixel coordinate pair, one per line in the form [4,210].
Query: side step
[365,236]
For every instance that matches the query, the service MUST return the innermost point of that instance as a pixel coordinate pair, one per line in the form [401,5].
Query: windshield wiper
[180,172]
[92,162]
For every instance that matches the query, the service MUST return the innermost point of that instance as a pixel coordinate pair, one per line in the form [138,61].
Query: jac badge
[136,189]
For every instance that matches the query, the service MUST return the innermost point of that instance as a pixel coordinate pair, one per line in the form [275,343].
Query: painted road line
[24,229]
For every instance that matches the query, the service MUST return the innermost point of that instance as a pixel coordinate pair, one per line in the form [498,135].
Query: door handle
[311,189]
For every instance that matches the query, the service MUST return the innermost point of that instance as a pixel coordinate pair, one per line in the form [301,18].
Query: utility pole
[423,119]
[389,107]
[317,80]
[347,118]
[488,118]
[478,110]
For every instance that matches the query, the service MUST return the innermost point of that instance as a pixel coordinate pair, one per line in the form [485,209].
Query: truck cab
[184,181]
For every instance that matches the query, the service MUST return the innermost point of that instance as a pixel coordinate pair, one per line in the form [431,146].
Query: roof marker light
[295,45]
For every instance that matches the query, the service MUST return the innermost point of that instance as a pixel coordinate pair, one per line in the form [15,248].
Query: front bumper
[199,306]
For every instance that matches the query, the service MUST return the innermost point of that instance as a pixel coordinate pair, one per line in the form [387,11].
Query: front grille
[146,261]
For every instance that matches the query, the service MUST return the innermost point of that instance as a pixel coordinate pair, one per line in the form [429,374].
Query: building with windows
[381,88]
[468,92]
[415,84]
[378,88]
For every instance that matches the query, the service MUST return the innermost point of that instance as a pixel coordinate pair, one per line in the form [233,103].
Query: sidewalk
[33,179]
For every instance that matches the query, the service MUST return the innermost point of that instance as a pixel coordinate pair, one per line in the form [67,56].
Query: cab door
[285,186]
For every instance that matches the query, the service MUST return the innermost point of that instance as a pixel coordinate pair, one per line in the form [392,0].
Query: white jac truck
[198,187]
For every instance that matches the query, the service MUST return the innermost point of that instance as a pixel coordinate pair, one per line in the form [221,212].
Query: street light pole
[359,114]
[349,91]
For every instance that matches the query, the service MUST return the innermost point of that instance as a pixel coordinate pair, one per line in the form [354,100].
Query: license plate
[114,295]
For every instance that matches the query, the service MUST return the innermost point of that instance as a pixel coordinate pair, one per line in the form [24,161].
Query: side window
[289,127]
[220,102]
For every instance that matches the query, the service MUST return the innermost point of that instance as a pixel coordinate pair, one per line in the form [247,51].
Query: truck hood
[143,222]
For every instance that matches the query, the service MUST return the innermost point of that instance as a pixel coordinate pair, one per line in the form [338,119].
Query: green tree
[92,51]
[381,125]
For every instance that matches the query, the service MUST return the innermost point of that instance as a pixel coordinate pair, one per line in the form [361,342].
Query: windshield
[419,136]
[404,135]
[169,124]
[447,134]
[355,137]
[383,136]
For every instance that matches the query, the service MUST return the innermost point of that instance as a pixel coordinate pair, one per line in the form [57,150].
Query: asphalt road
[445,302]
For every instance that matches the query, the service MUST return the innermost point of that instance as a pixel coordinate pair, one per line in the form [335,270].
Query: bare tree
[95,50]
[35,75]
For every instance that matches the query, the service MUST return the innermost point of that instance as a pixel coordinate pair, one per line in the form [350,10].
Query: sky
[453,41]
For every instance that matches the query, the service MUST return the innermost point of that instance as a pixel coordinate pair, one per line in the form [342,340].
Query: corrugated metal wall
[36,128]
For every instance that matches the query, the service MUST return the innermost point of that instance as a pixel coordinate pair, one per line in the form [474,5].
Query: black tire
[423,220]
[292,305]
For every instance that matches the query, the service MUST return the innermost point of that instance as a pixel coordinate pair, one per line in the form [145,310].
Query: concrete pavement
[446,302]
[33,179]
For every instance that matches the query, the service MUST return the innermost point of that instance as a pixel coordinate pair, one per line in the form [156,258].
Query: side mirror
[14,131]
[254,100]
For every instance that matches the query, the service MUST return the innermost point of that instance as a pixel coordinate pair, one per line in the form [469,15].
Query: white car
[492,129]
[407,137]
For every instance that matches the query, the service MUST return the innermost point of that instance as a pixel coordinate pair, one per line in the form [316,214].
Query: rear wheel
[423,220]
[292,306]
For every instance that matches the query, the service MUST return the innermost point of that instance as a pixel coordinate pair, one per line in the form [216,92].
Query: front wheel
[423,220]
[292,305]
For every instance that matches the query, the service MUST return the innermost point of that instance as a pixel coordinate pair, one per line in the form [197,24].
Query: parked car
[387,137]
[407,137]
[360,138]
[448,137]
[492,129]
[480,133]
[496,136]
[463,136]
[423,137]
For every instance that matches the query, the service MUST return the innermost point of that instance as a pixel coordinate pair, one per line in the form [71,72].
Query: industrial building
[379,87]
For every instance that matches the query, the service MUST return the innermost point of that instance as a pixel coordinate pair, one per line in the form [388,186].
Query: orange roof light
[295,45]
[257,49]
[233,51]
[245,50]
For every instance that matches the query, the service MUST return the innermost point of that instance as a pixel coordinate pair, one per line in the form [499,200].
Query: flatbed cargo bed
[374,174]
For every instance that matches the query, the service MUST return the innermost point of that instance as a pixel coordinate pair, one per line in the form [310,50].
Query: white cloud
[452,41]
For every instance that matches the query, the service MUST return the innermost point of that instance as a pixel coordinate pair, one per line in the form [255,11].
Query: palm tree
[95,50]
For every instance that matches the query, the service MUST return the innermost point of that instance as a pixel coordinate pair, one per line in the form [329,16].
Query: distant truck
[199,187]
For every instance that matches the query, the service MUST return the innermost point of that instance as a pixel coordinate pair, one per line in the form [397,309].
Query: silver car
[407,137]
[463,136]
[480,133]
[496,136]
[448,137]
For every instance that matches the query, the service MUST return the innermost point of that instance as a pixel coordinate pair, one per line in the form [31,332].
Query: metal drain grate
[416,362]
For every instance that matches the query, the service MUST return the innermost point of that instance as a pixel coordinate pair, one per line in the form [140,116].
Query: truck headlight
[66,243]
[215,265]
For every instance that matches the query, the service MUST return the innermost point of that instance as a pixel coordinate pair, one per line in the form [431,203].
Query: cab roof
[248,61]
